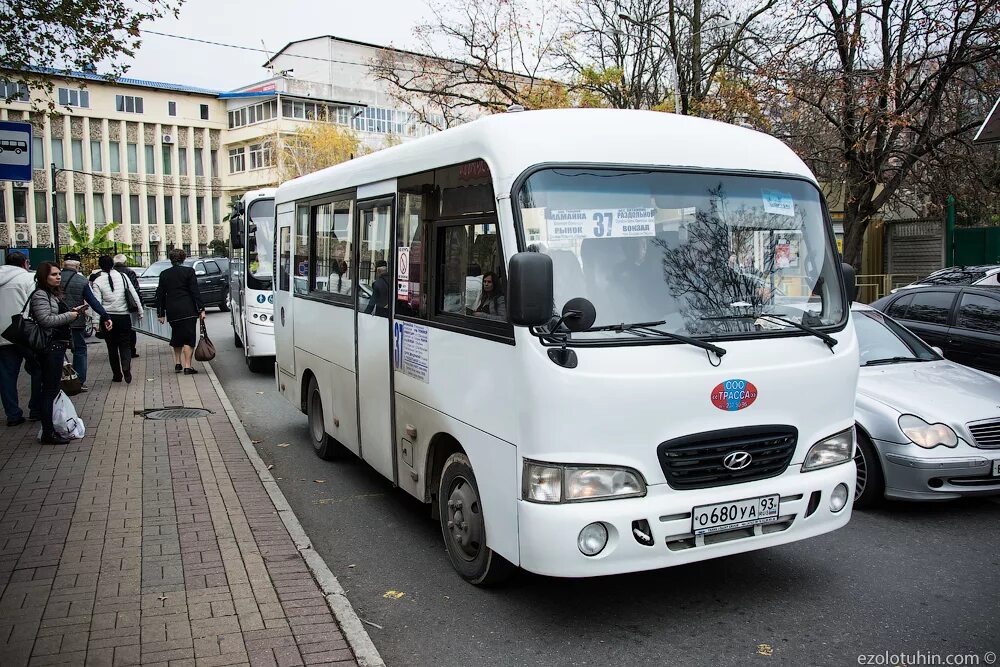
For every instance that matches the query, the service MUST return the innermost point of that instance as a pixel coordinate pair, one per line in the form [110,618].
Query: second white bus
[594,341]
[251,277]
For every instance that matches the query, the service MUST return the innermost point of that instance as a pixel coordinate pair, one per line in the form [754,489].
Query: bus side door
[287,275]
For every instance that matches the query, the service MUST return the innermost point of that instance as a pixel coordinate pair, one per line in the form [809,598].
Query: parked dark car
[963,321]
[213,280]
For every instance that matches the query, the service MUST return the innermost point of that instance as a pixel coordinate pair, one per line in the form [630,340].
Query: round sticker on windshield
[733,395]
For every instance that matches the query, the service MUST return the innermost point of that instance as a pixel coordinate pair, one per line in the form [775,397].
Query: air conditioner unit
[154,237]
[167,138]
[21,237]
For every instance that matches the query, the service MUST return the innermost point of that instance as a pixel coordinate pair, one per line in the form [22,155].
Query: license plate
[996,468]
[735,514]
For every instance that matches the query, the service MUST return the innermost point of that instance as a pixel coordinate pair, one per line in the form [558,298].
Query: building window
[74,97]
[151,210]
[100,218]
[132,152]
[167,165]
[133,208]
[168,210]
[182,161]
[185,210]
[186,247]
[199,210]
[237,160]
[116,208]
[15,90]
[150,159]
[80,207]
[20,205]
[199,162]
[203,251]
[114,151]
[204,112]
[128,103]
[171,108]
[57,153]
[260,156]
[96,163]
[61,214]
[214,156]
[37,153]
[256,113]
[41,209]
[216,210]
[76,149]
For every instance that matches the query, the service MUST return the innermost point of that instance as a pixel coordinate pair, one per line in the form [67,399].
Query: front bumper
[548,533]
[965,472]
[260,340]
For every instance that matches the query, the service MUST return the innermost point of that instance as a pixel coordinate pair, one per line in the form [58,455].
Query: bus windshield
[260,244]
[707,255]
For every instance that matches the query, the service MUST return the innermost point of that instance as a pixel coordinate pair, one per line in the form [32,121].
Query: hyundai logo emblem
[737,460]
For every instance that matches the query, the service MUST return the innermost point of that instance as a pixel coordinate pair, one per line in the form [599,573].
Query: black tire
[325,447]
[237,341]
[463,526]
[223,307]
[870,488]
[260,364]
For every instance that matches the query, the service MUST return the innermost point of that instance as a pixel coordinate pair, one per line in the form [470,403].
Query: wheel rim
[316,426]
[465,520]
[859,461]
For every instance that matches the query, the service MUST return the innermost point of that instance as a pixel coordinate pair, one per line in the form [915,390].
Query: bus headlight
[831,451]
[555,483]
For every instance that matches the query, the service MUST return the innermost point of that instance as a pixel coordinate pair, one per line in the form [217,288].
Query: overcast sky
[246,23]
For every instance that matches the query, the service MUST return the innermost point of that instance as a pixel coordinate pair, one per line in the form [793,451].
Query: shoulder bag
[70,384]
[130,303]
[206,349]
[26,332]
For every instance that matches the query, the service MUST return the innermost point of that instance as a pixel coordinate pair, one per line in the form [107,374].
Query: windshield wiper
[891,360]
[645,328]
[829,340]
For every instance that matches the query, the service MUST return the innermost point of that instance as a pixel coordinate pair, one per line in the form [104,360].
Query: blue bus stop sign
[15,151]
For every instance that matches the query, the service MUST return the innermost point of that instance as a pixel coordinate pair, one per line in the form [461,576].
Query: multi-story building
[142,153]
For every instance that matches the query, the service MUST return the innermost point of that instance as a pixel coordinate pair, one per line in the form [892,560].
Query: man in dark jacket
[76,292]
[178,301]
[122,267]
[378,304]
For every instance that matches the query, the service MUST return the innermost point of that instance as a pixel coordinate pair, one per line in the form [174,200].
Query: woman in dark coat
[178,301]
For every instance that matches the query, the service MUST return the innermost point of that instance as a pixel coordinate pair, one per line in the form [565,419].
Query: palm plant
[84,242]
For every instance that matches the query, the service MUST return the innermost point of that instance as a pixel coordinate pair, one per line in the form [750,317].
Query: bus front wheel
[325,446]
[464,528]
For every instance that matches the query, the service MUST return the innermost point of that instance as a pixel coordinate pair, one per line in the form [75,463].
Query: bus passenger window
[301,263]
[472,281]
[332,255]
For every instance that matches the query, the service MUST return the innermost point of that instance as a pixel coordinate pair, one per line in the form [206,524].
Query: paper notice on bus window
[410,350]
[403,273]
[778,203]
[592,223]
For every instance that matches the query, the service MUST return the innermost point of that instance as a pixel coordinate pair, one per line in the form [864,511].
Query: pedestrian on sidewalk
[112,289]
[16,285]
[77,291]
[178,301]
[52,314]
[122,267]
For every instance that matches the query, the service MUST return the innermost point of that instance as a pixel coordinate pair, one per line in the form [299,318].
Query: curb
[354,632]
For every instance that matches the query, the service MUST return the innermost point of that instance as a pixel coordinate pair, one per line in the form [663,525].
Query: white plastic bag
[65,422]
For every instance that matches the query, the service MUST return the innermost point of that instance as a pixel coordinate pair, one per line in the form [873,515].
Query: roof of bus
[513,142]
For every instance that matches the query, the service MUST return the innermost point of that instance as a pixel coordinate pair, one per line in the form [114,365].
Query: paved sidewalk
[150,542]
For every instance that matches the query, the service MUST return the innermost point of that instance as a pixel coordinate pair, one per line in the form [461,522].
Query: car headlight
[555,483]
[927,435]
[830,451]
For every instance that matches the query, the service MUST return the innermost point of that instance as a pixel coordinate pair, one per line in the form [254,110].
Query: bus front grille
[697,461]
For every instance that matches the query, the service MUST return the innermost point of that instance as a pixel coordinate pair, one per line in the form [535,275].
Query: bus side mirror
[850,282]
[529,289]
[236,231]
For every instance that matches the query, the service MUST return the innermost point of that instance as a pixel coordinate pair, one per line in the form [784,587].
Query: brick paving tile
[150,542]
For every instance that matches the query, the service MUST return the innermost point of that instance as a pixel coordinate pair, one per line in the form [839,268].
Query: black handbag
[26,333]
[130,303]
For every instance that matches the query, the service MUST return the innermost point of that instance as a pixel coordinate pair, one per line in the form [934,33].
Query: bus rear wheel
[324,446]
[464,528]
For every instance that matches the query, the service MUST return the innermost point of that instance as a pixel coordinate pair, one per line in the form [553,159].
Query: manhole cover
[174,413]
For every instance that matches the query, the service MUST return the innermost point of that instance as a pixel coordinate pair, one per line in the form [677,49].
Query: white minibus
[594,341]
[251,277]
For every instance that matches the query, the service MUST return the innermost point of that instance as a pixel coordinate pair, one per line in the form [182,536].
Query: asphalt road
[902,579]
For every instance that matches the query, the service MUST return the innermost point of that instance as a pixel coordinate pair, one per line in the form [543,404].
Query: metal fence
[877,285]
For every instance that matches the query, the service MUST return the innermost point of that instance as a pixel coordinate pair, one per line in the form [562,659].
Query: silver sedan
[928,428]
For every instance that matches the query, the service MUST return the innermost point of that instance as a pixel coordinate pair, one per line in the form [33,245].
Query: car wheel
[464,528]
[325,447]
[224,306]
[870,487]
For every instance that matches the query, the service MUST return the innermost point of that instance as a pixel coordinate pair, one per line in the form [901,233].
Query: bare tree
[877,88]
[493,53]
